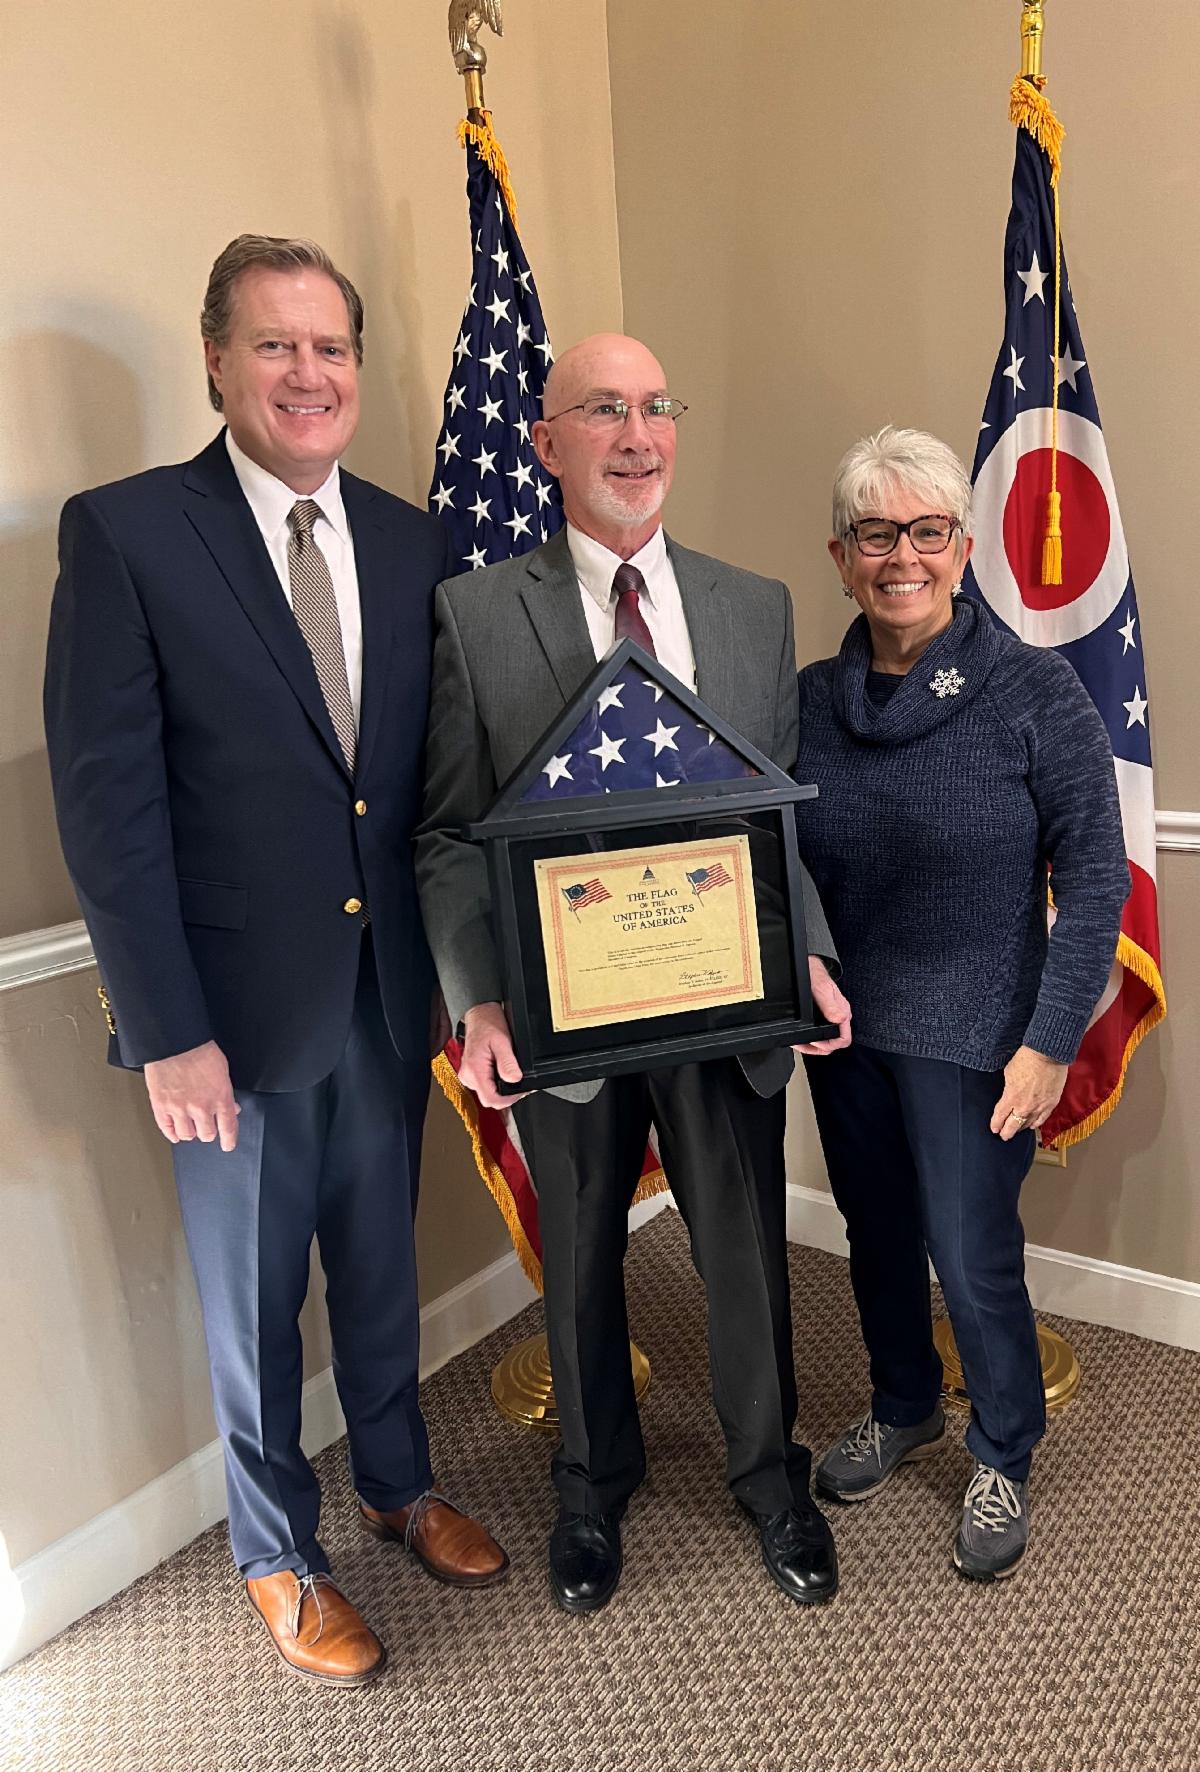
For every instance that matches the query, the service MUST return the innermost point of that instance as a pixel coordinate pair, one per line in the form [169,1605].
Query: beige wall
[136,140]
[753,149]
[812,202]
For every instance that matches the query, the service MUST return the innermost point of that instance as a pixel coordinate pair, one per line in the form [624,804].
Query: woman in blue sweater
[955,764]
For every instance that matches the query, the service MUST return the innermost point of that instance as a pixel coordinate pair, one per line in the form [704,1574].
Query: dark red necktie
[629,584]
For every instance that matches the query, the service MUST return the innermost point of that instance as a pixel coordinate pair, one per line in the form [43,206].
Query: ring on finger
[1021,1119]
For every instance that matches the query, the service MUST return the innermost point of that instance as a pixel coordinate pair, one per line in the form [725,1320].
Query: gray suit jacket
[511,648]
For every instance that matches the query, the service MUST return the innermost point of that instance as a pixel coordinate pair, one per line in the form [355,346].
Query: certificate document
[657,930]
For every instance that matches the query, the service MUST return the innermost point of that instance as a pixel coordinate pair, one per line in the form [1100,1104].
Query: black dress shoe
[585,1560]
[798,1550]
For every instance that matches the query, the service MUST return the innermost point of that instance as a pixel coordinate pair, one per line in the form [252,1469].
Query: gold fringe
[1029,108]
[1136,960]
[467,1109]
[492,154]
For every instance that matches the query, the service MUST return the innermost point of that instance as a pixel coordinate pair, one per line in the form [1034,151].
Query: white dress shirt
[271,502]
[661,605]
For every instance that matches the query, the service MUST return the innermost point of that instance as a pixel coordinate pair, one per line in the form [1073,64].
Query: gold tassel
[1052,542]
[492,154]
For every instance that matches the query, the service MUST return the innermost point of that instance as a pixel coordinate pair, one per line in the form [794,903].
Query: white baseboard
[69,1578]
[1152,1305]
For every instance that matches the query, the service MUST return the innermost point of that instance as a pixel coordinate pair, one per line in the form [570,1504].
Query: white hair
[895,460]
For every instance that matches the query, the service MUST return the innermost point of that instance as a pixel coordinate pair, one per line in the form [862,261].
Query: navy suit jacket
[207,816]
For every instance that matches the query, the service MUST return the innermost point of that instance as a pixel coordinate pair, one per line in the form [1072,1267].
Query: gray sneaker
[871,1452]
[995,1526]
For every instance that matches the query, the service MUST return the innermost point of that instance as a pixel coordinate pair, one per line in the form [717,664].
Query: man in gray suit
[514,642]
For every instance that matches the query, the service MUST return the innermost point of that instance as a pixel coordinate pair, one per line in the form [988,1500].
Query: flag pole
[1033,24]
[1060,1368]
[522,1387]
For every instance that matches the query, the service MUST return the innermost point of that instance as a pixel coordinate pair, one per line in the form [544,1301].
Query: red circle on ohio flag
[1086,528]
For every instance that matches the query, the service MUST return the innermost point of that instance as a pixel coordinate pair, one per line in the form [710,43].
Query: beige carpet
[1088,1660]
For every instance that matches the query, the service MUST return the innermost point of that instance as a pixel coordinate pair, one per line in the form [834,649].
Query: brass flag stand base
[523,1391]
[1060,1368]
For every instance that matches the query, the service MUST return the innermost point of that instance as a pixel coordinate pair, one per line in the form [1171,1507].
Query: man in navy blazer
[236,695]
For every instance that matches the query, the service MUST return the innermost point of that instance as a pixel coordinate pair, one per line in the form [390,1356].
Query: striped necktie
[315,608]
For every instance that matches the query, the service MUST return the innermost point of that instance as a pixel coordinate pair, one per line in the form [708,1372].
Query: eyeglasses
[605,414]
[876,536]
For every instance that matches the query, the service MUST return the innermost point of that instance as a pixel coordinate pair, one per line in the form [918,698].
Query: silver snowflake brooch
[947,683]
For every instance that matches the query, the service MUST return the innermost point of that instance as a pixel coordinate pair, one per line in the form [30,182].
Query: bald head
[601,364]
[614,475]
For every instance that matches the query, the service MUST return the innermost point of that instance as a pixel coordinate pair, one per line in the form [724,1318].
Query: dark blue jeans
[918,1176]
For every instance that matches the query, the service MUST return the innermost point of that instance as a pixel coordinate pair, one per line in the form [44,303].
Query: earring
[956,590]
[847,592]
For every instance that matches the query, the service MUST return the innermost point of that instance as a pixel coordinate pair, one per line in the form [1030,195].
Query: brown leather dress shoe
[447,1542]
[315,1629]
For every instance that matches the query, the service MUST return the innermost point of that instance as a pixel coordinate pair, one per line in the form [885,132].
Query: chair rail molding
[44,953]
[48,953]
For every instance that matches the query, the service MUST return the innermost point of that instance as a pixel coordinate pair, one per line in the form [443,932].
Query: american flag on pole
[585,893]
[704,879]
[492,493]
[1091,617]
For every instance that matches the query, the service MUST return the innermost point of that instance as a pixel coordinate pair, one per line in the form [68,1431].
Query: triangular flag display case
[646,886]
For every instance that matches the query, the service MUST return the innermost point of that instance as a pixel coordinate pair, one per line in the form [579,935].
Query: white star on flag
[522,474]
[447,447]
[485,461]
[1033,280]
[557,769]
[1014,370]
[544,348]
[500,260]
[490,410]
[608,750]
[442,497]
[610,698]
[656,689]
[477,557]
[457,398]
[498,309]
[660,783]
[522,429]
[662,738]
[518,524]
[496,362]
[1126,633]
[1067,368]
[482,508]
[524,278]
[462,348]
[543,494]
[1136,709]
[523,333]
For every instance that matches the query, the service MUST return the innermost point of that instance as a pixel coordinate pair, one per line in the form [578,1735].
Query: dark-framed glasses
[879,535]
[606,413]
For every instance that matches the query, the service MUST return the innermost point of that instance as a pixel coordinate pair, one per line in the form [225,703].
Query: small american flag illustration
[703,878]
[585,893]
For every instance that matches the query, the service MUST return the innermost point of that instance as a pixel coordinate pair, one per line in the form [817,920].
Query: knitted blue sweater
[929,840]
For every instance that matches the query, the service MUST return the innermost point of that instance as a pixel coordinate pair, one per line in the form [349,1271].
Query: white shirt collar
[595,564]
[271,501]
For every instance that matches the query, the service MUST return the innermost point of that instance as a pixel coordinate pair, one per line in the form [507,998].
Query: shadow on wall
[82,423]
[109,1389]
[400,416]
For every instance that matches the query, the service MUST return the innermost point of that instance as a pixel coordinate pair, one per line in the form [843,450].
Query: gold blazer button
[360,806]
[352,906]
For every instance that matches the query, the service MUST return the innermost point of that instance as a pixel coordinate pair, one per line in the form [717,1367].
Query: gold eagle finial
[467,19]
